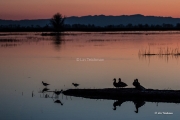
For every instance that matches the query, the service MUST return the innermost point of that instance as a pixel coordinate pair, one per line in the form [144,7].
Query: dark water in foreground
[92,60]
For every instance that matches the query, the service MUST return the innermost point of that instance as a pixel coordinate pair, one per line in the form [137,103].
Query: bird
[137,85]
[45,84]
[75,84]
[121,84]
[58,92]
[115,84]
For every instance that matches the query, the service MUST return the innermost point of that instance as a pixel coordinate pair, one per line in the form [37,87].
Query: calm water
[92,60]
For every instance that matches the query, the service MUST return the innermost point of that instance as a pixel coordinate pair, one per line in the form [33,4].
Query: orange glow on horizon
[40,9]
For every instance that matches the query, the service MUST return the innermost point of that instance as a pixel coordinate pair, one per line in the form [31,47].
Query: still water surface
[91,59]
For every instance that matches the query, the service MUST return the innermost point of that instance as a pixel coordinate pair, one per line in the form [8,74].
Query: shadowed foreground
[127,94]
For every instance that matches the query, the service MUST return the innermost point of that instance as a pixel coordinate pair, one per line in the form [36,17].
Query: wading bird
[45,84]
[58,92]
[75,84]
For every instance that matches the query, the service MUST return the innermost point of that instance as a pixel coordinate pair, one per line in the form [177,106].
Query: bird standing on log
[121,84]
[115,84]
[75,84]
[137,85]
[45,84]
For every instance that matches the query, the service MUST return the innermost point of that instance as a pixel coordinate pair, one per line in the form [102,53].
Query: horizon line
[93,16]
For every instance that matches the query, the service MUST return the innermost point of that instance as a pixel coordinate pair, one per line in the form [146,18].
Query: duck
[121,84]
[137,85]
[115,83]
[75,84]
[45,84]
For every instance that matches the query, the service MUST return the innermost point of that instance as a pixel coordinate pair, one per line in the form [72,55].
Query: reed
[162,52]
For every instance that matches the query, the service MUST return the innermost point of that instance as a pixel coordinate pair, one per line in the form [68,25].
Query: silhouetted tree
[57,22]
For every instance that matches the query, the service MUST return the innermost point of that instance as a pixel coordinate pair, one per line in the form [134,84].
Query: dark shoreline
[125,30]
[88,29]
[128,94]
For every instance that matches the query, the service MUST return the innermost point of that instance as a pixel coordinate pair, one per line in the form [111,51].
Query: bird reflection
[57,93]
[138,104]
[117,103]
[46,96]
[32,94]
[58,101]
[44,90]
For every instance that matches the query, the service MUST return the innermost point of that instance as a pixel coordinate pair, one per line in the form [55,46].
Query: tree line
[57,25]
[89,27]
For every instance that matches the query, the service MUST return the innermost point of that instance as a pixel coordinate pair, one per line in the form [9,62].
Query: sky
[42,9]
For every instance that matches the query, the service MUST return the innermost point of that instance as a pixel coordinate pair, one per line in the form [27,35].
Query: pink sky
[40,9]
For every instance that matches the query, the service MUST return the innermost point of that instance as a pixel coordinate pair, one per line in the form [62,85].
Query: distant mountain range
[99,20]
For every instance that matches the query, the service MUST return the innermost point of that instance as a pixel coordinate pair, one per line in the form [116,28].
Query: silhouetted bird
[137,85]
[115,84]
[58,92]
[75,84]
[45,84]
[121,84]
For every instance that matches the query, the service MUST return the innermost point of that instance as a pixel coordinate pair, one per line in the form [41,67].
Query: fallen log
[127,94]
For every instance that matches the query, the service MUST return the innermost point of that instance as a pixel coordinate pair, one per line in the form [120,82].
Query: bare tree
[57,22]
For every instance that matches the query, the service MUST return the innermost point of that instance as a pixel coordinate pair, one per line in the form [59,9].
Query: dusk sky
[41,9]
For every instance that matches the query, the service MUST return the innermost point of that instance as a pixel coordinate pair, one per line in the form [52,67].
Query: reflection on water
[163,53]
[29,58]
[138,104]
[57,41]
[120,95]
